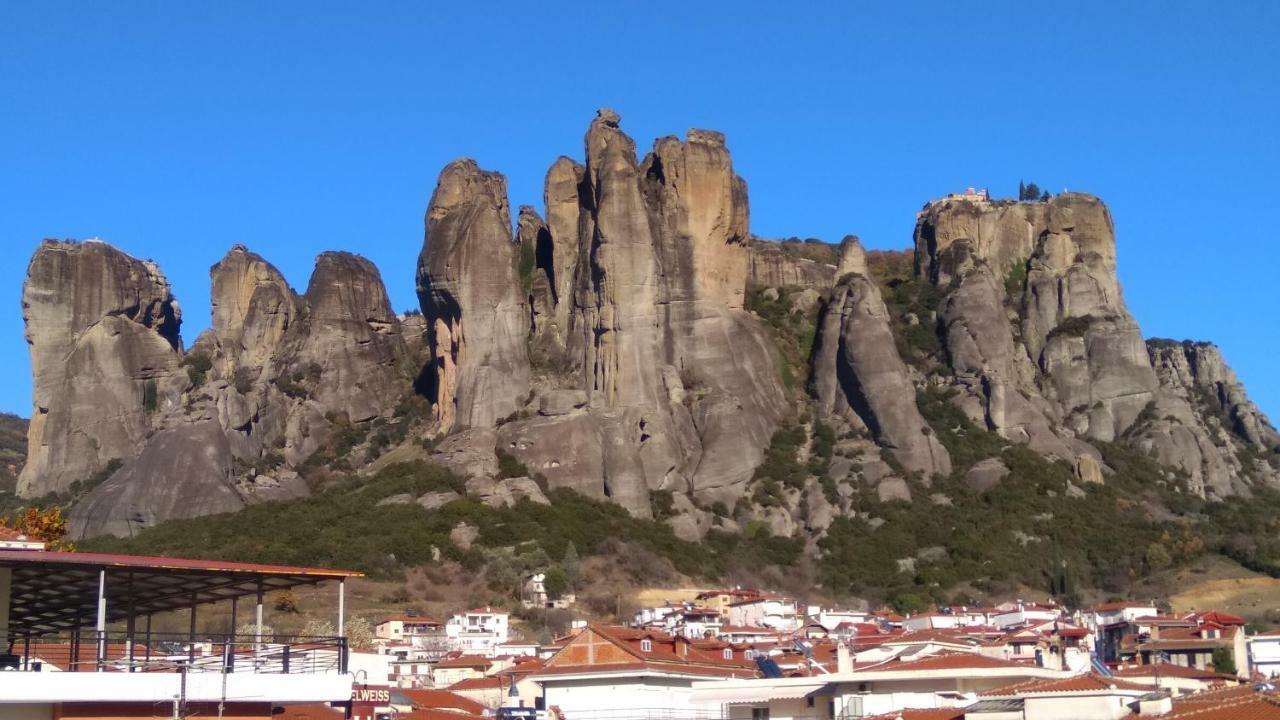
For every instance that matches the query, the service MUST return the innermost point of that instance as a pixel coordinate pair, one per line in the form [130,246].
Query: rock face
[635,343]
[103,332]
[1204,424]
[1076,344]
[859,376]
[168,434]
[354,338]
[775,265]
[469,287]
[1046,353]
[649,373]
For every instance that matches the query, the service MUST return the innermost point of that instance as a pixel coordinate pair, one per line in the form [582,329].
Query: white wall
[585,699]
[44,687]
[1097,707]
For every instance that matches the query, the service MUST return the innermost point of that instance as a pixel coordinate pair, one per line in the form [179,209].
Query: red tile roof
[1170,670]
[440,700]
[465,661]
[1237,703]
[1089,682]
[480,683]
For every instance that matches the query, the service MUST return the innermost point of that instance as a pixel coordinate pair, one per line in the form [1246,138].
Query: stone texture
[102,328]
[1073,362]
[985,474]
[253,307]
[859,376]
[682,385]
[183,472]
[772,266]
[470,293]
[354,338]
[1203,422]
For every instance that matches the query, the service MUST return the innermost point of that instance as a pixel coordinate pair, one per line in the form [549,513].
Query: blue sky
[175,129]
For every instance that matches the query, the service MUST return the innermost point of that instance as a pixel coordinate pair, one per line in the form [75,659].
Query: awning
[51,592]
[759,691]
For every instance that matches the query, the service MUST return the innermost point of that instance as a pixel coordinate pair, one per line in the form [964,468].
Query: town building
[1264,654]
[533,594]
[611,671]
[772,611]
[479,631]
[857,690]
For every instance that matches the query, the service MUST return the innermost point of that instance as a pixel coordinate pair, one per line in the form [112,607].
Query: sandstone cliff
[633,341]
[103,332]
[648,373]
[138,431]
[1046,353]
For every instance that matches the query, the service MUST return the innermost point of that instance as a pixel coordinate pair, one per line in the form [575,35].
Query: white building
[630,673]
[1264,654]
[934,681]
[477,632]
[775,612]
[1017,614]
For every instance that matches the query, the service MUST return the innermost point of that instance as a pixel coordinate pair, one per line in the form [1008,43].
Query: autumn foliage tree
[46,525]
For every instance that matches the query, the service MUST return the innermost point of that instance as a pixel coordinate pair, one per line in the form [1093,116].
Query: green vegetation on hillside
[912,303]
[793,331]
[13,450]
[344,526]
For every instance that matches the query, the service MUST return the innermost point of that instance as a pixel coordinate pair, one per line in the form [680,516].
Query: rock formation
[660,379]
[146,432]
[632,341]
[103,332]
[859,376]
[470,292]
[777,265]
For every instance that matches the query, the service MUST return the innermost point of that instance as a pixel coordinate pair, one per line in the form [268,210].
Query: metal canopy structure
[51,592]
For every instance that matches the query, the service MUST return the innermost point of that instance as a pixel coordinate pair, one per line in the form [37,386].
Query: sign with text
[366,699]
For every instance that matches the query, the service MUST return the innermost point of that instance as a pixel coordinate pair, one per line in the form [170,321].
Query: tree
[1045,196]
[359,633]
[1022,190]
[1033,192]
[1223,661]
[286,603]
[48,526]
[1157,557]
[571,566]
[315,627]
[555,583]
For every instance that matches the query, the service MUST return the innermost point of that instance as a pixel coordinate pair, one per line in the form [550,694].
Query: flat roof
[53,591]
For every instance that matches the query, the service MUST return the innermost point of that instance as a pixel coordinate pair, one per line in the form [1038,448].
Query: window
[728,653]
[760,713]
[646,645]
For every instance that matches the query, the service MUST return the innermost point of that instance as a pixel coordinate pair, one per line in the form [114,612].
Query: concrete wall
[581,699]
[1097,707]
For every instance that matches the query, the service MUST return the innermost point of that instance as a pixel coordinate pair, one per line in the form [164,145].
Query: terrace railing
[177,652]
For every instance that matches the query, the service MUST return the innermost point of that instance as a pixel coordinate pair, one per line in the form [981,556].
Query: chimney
[844,659]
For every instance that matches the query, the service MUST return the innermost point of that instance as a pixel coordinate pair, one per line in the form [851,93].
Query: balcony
[161,667]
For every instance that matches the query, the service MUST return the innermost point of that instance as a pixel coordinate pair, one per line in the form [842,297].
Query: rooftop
[57,591]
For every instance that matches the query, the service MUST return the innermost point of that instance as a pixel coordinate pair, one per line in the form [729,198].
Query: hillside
[631,368]
[13,450]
